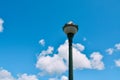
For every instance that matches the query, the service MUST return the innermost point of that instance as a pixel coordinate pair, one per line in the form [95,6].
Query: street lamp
[70,29]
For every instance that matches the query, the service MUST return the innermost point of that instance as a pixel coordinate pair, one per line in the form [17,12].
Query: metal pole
[70,37]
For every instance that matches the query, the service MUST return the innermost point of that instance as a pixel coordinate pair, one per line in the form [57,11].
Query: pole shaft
[70,37]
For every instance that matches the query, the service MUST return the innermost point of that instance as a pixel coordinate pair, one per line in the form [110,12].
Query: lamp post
[70,29]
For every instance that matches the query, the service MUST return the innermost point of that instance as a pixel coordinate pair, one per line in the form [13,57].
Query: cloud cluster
[51,65]
[57,63]
[110,51]
[1,24]
[6,75]
[116,48]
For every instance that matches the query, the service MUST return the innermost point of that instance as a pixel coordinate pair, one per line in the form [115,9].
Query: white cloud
[5,75]
[79,47]
[117,63]
[63,51]
[27,77]
[51,65]
[110,51]
[96,62]
[62,78]
[117,46]
[1,25]
[79,59]
[42,42]
[48,51]
[58,63]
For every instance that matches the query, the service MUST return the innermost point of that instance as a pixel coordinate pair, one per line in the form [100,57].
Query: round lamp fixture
[70,27]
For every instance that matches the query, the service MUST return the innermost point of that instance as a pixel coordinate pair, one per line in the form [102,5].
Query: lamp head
[70,28]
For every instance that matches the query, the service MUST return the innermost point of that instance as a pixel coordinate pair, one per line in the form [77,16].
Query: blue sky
[32,42]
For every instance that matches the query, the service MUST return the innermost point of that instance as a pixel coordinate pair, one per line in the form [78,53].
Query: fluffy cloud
[117,63]
[79,59]
[110,51]
[51,65]
[58,63]
[1,25]
[42,42]
[79,47]
[5,75]
[96,62]
[116,48]
[27,77]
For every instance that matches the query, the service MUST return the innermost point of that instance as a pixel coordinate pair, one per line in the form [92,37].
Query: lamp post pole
[70,29]
[70,37]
